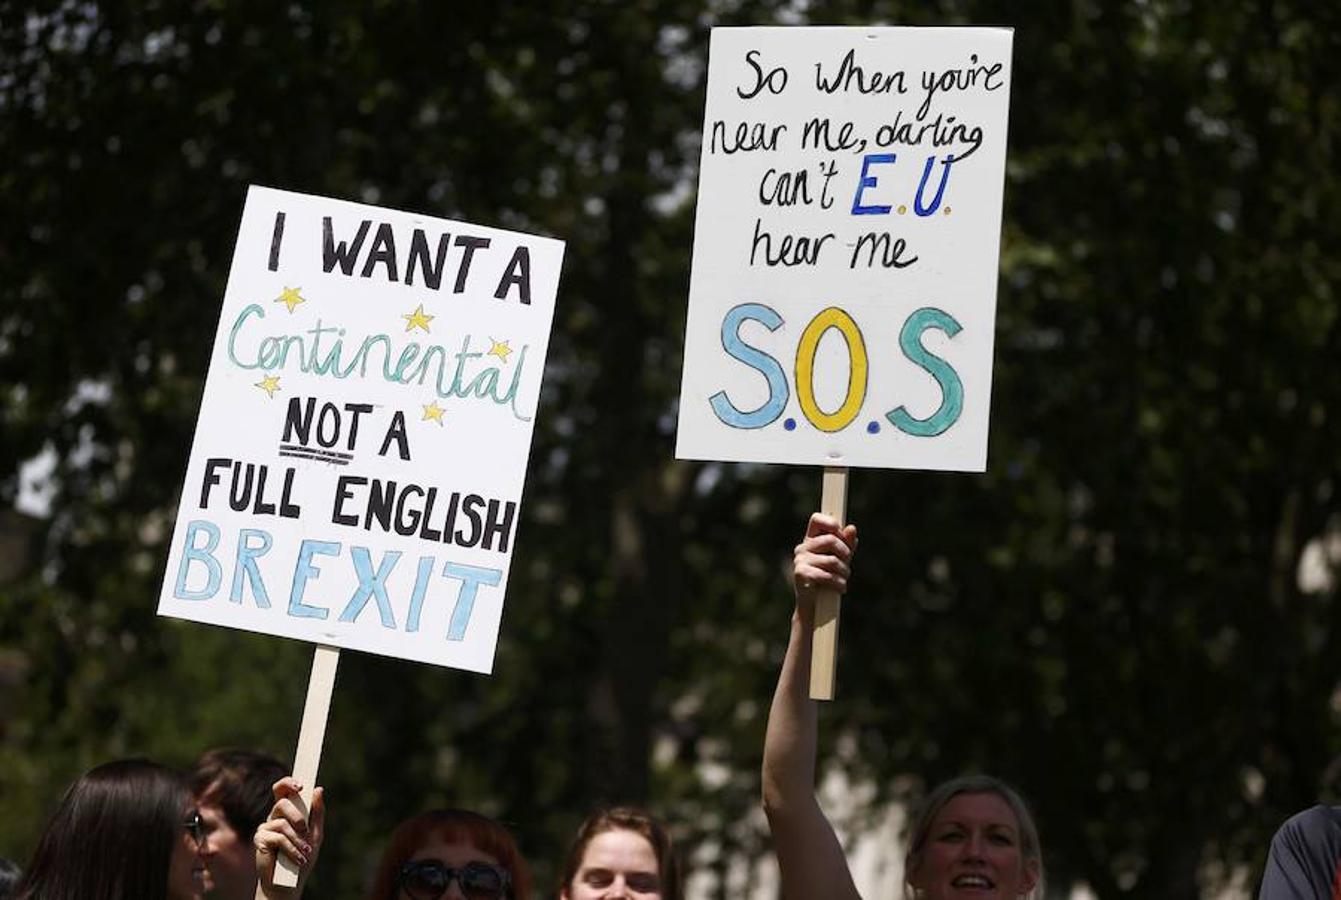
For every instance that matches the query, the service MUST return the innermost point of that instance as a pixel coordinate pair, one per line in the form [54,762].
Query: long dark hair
[112,836]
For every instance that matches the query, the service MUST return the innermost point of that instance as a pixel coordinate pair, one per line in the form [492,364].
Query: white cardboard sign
[843,294]
[357,470]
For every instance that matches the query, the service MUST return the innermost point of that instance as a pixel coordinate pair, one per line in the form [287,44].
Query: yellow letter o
[833,317]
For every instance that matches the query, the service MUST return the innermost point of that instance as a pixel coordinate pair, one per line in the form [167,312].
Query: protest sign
[843,293]
[357,470]
[356,475]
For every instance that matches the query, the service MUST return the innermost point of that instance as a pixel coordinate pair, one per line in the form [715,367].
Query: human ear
[1030,880]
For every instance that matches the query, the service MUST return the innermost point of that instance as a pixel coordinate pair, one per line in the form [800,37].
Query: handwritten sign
[843,294]
[356,476]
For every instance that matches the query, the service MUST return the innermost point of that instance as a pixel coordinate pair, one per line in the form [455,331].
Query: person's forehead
[979,809]
[620,849]
[452,853]
[210,808]
[212,794]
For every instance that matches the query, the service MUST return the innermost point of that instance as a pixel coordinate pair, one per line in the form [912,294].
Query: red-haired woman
[448,854]
[438,852]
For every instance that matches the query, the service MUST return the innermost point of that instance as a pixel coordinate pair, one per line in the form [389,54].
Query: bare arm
[811,859]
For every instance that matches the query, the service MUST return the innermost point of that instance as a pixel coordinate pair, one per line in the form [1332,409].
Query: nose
[454,891]
[973,847]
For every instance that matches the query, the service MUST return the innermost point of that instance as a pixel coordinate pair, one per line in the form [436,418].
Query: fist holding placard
[845,252]
[358,462]
[845,256]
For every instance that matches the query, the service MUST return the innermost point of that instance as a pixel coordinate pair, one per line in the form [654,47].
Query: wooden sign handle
[824,651]
[310,738]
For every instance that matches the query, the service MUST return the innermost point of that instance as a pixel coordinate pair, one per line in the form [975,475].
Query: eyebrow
[955,823]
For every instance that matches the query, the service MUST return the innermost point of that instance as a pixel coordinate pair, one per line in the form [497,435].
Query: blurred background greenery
[1133,614]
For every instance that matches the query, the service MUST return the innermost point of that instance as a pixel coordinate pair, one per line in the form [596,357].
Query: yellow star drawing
[434,412]
[499,349]
[269,384]
[290,297]
[417,319]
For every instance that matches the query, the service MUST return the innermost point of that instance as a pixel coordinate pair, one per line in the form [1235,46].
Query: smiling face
[616,865]
[231,861]
[973,850]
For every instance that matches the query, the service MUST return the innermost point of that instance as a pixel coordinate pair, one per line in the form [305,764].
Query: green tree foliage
[1111,616]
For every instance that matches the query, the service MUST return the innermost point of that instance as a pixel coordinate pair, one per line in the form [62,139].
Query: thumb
[849,535]
[822,523]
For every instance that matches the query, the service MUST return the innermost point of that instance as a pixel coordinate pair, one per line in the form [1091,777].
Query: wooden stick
[310,737]
[824,653]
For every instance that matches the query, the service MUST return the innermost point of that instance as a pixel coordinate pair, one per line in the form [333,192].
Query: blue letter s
[735,346]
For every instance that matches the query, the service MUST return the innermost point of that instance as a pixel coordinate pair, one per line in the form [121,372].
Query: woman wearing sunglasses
[972,836]
[451,854]
[621,853]
[446,854]
[126,830]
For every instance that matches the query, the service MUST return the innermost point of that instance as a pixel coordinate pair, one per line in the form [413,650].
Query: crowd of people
[135,830]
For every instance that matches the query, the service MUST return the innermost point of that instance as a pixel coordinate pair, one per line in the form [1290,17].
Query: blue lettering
[371,584]
[735,346]
[302,571]
[204,555]
[246,566]
[417,595]
[952,389]
[940,191]
[471,578]
[868,180]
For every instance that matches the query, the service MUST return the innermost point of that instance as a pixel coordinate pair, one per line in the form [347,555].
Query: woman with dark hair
[972,837]
[445,854]
[233,793]
[126,830]
[621,853]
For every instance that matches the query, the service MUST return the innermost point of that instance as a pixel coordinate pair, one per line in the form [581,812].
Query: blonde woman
[972,837]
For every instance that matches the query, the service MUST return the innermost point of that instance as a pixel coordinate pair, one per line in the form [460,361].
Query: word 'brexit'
[375,583]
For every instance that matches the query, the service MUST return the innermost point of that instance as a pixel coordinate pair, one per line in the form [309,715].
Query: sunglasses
[195,826]
[428,879]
